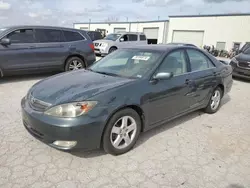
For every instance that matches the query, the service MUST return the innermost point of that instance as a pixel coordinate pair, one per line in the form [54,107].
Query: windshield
[113,37]
[247,51]
[127,63]
[2,29]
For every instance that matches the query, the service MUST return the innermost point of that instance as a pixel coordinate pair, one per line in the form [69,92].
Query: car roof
[125,32]
[40,27]
[158,47]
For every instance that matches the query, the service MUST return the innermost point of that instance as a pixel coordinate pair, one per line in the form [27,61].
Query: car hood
[75,86]
[243,57]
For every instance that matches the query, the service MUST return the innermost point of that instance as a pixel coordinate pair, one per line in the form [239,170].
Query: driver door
[170,97]
[20,55]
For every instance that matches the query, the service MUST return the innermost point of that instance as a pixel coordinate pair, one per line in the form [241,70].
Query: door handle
[187,81]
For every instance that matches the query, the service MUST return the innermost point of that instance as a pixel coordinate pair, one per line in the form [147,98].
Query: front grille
[244,65]
[38,105]
[96,44]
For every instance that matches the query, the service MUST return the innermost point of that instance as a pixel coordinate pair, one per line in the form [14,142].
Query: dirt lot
[197,150]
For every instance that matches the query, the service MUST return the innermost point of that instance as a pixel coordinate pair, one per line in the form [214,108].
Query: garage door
[117,30]
[151,33]
[193,37]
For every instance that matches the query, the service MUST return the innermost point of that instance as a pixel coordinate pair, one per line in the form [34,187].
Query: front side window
[174,63]
[22,36]
[48,35]
[132,37]
[71,36]
[199,61]
[127,63]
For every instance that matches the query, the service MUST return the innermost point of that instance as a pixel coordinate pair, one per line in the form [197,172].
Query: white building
[222,31]
[154,30]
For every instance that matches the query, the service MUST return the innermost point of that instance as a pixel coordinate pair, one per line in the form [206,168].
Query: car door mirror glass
[5,41]
[121,39]
[163,76]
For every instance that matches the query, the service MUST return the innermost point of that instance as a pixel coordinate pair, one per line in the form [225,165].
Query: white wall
[134,27]
[138,27]
[108,27]
[227,29]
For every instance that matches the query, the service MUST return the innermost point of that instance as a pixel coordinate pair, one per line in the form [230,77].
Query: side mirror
[5,41]
[163,76]
[121,39]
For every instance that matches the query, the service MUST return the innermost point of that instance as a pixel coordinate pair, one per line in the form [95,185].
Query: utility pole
[89,23]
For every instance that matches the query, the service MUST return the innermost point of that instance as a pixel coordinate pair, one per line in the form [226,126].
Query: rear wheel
[122,132]
[74,63]
[215,101]
[112,49]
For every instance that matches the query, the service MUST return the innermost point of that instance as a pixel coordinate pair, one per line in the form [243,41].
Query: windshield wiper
[106,73]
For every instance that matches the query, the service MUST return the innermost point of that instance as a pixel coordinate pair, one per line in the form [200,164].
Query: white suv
[116,40]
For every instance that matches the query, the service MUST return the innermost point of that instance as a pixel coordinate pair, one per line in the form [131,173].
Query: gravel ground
[195,151]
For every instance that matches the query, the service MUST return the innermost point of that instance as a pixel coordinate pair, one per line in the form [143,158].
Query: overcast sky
[66,12]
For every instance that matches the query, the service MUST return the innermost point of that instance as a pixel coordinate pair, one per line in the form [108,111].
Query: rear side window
[142,37]
[198,60]
[22,36]
[132,37]
[72,36]
[49,35]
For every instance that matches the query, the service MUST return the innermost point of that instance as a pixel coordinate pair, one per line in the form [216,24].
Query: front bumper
[101,51]
[240,72]
[86,130]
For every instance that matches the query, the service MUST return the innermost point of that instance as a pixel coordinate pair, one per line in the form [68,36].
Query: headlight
[71,110]
[104,45]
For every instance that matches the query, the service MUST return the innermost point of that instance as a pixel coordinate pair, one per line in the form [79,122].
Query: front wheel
[122,132]
[215,101]
[112,49]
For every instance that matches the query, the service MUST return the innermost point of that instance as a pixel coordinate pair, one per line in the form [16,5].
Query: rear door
[203,74]
[51,48]
[19,56]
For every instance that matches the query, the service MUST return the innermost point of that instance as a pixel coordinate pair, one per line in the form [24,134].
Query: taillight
[92,46]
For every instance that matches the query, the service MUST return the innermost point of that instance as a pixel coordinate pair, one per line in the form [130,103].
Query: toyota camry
[127,92]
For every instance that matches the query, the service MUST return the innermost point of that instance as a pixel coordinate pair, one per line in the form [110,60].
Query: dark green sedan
[127,92]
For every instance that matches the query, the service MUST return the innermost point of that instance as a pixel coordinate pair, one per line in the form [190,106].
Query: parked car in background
[241,64]
[127,92]
[35,49]
[117,40]
[94,35]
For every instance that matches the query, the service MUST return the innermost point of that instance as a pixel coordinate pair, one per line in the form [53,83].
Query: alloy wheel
[123,132]
[215,100]
[75,65]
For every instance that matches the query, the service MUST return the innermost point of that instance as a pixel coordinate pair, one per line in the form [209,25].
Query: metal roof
[209,15]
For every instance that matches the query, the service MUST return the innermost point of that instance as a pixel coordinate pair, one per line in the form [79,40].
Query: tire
[117,134]
[74,62]
[213,108]
[112,49]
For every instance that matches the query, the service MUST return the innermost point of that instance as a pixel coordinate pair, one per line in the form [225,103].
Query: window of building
[220,45]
